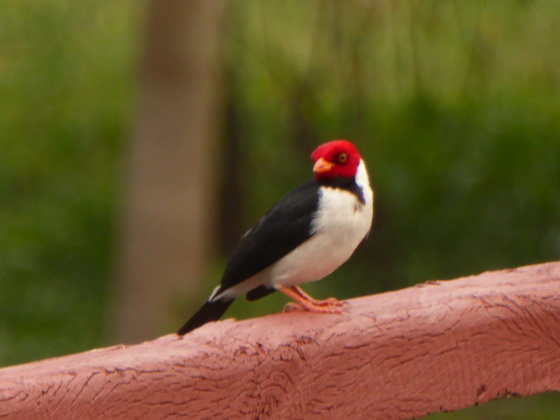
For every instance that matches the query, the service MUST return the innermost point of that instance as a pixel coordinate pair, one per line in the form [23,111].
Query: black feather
[259,292]
[282,229]
[210,311]
[348,184]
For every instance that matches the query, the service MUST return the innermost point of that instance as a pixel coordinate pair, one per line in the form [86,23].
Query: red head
[337,158]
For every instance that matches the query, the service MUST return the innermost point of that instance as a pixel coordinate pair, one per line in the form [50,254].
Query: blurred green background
[454,105]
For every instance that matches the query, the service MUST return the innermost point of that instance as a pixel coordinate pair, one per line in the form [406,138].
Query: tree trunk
[171,179]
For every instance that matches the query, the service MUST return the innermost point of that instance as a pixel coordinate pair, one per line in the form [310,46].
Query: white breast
[342,222]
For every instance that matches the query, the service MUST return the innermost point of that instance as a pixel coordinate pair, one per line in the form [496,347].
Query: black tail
[210,311]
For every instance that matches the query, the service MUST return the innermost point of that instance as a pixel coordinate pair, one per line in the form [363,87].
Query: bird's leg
[306,302]
[324,302]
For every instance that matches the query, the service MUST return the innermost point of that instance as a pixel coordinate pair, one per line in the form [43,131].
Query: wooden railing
[437,346]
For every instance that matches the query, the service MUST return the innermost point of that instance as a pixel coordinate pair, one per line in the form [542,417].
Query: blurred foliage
[536,407]
[454,106]
[65,98]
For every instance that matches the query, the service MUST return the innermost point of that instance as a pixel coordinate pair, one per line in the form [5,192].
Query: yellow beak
[322,165]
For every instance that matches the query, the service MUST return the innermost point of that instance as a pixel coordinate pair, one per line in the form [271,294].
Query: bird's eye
[342,158]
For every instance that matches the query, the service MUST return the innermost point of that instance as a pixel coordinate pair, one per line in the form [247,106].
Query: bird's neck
[356,184]
[362,178]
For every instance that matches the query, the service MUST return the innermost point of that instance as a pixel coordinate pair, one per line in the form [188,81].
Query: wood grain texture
[438,346]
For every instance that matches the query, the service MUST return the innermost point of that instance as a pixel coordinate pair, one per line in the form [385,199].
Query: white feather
[341,223]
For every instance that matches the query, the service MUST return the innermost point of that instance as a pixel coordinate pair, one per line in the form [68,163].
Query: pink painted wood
[438,346]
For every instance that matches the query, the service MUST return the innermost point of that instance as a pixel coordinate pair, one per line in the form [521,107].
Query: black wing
[283,228]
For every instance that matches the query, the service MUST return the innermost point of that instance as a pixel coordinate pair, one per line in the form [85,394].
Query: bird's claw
[292,307]
[330,302]
[327,306]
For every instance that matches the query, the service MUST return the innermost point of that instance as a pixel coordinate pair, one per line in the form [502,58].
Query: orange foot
[304,302]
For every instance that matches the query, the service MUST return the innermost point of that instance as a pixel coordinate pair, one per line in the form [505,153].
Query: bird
[304,237]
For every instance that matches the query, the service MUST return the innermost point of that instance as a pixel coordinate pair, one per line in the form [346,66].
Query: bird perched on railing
[304,237]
